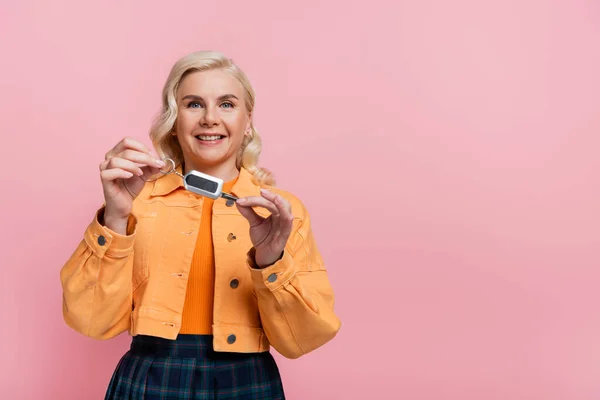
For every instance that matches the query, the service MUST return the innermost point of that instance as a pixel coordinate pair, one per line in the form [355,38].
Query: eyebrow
[223,97]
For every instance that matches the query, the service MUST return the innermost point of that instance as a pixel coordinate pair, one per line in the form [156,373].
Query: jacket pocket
[145,230]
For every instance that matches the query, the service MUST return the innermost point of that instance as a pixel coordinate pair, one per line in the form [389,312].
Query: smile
[209,138]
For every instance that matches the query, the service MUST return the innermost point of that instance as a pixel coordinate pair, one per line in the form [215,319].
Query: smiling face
[212,119]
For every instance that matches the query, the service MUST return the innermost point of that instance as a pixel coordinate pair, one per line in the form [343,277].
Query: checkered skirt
[188,369]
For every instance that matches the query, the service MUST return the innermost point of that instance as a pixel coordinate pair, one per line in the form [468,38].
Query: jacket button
[272,278]
[231,237]
[101,240]
[231,339]
[229,203]
[234,283]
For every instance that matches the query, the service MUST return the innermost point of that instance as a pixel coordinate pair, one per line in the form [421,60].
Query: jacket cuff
[273,276]
[103,240]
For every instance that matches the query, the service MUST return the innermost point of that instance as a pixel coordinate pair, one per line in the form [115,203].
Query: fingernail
[265,191]
[241,201]
[160,163]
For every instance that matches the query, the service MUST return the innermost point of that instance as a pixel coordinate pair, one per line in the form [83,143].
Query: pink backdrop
[458,142]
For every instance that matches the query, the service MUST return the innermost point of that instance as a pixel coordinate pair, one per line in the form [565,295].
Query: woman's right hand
[122,174]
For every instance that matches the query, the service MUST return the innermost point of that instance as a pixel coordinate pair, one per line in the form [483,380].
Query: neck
[226,172]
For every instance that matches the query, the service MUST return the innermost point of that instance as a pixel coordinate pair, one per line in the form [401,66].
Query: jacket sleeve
[295,299]
[96,281]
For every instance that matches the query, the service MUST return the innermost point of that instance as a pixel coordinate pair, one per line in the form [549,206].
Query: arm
[295,298]
[96,281]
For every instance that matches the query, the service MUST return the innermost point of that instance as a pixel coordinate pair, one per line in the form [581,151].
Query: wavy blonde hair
[167,145]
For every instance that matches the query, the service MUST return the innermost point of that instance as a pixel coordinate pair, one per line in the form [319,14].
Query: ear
[248,130]
[174,129]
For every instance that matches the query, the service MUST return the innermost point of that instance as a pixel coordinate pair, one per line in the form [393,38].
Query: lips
[209,137]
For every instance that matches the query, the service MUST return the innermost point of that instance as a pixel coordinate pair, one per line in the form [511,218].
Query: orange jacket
[113,283]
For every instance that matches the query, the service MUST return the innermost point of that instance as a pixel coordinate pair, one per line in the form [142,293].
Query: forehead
[212,83]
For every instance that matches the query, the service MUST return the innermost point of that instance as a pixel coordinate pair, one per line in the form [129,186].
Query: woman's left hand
[268,235]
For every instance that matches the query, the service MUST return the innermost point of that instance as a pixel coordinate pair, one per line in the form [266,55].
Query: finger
[253,218]
[121,163]
[255,201]
[114,173]
[149,172]
[284,207]
[283,228]
[286,228]
[285,218]
[141,159]
[282,204]
[127,143]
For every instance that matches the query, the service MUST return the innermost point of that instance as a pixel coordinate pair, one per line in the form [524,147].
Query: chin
[212,159]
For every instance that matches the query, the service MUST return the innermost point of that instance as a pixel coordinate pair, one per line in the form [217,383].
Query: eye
[227,104]
[194,104]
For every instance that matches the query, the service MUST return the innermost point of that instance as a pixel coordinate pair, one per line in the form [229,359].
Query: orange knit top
[198,307]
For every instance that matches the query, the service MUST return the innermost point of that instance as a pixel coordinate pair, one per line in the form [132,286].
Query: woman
[204,288]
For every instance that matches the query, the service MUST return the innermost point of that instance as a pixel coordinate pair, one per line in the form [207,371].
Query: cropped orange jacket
[137,282]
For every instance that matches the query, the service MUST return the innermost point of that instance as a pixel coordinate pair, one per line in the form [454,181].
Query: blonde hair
[167,145]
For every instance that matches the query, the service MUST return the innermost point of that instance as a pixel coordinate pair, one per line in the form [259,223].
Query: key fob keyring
[197,182]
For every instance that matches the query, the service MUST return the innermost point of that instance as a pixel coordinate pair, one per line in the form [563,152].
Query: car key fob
[205,185]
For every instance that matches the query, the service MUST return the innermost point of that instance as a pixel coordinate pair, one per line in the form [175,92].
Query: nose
[210,117]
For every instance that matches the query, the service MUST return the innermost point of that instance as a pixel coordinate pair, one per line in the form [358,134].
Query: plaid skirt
[188,368]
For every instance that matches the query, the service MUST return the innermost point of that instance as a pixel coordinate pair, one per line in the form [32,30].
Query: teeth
[214,137]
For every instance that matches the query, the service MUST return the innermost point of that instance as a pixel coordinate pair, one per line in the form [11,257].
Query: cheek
[182,130]
[237,125]
[185,122]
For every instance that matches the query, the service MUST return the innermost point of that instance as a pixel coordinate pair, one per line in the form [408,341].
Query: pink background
[458,142]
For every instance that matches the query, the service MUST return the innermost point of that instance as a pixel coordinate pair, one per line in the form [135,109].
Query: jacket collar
[243,187]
